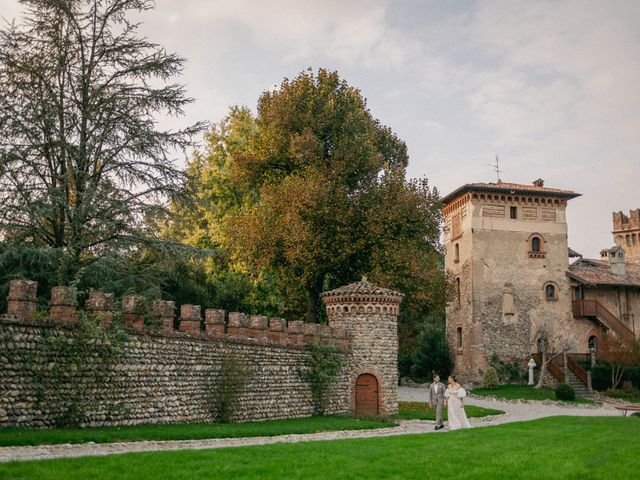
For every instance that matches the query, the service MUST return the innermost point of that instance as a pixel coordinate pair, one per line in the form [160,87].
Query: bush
[601,377]
[565,392]
[431,354]
[508,371]
[322,374]
[631,393]
[234,377]
[490,378]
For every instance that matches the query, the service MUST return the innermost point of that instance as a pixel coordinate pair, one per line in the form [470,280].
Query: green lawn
[23,436]
[524,392]
[550,448]
[422,411]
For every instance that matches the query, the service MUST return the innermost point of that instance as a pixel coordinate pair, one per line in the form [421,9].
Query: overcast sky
[552,87]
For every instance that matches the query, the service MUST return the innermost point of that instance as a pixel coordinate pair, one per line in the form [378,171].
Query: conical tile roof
[363,287]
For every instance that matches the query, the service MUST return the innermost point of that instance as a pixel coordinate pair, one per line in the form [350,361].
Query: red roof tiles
[598,272]
[513,188]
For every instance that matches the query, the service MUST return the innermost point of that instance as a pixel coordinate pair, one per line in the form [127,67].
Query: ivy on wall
[71,369]
[322,373]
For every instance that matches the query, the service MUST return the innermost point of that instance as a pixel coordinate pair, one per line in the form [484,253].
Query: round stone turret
[370,315]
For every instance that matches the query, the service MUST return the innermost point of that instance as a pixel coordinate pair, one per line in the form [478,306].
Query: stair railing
[593,308]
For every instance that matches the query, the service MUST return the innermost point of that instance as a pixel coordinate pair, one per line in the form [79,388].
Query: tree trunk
[313,301]
[543,370]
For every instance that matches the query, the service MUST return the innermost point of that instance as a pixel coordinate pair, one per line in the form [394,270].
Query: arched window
[535,244]
[540,345]
[550,291]
[593,342]
[456,253]
[459,337]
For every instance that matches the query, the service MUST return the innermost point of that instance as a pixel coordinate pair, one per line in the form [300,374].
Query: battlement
[622,222]
[216,324]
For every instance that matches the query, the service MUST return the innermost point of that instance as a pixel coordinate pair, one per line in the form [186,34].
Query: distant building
[506,249]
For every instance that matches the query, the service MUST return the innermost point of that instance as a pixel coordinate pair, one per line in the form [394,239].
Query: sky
[552,87]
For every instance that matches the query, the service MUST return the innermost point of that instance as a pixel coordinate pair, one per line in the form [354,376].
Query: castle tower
[626,234]
[506,247]
[370,315]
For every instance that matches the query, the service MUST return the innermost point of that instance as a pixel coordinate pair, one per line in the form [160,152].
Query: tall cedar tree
[313,188]
[82,160]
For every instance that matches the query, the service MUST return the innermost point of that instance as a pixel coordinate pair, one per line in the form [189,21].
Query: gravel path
[515,412]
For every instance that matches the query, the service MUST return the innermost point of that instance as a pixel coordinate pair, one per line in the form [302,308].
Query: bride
[455,407]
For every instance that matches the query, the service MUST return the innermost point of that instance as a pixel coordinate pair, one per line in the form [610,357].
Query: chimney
[616,260]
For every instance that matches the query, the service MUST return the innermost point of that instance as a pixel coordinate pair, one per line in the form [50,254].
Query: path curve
[514,412]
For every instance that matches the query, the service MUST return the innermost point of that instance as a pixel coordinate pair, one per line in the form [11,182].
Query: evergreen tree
[83,163]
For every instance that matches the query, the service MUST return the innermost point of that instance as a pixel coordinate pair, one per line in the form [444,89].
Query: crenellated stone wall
[168,368]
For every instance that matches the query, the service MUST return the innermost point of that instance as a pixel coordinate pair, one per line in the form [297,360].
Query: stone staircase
[577,384]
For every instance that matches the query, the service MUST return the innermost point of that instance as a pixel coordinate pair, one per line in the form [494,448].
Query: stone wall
[168,369]
[156,379]
[160,374]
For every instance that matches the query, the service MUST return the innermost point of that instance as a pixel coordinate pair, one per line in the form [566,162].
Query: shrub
[601,377]
[321,374]
[431,354]
[565,392]
[490,378]
[233,379]
[508,371]
[630,393]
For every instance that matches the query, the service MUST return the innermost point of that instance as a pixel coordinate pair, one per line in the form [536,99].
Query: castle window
[513,213]
[456,256]
[535,244]
[550,292]
[459,337]
[593,342]
[458,289]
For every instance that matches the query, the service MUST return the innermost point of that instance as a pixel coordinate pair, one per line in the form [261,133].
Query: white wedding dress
[455,409]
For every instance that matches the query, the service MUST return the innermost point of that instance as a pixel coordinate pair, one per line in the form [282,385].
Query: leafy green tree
[431,353]
[312,191]
[82,161]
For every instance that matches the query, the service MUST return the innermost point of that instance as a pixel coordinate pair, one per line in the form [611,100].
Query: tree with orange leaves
[620,354]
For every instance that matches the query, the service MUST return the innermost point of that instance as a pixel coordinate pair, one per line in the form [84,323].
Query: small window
[550,292]
[456,257]
[458,289]
[513,213]
[459,337]
[535,244]
[540,345]
[593,342]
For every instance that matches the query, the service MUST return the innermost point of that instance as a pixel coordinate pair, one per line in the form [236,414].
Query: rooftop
[598,272]
[363,287]
[513,188]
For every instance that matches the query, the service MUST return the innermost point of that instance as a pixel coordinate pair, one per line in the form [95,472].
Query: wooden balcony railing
[594,309]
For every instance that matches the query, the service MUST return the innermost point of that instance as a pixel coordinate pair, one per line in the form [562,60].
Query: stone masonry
[370,315]
[165,374]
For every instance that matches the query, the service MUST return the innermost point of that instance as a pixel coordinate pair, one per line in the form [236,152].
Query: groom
[436,399]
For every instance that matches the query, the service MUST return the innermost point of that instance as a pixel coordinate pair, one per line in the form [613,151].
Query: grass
[524,392]
[31,436]
[550,448]
[422,411]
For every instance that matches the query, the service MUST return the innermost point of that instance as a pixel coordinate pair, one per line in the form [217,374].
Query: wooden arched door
[367,394]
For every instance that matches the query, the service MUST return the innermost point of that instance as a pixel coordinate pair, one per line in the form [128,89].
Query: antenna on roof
[497,168]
